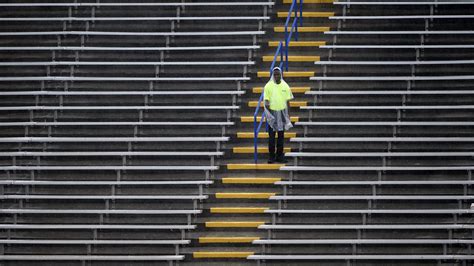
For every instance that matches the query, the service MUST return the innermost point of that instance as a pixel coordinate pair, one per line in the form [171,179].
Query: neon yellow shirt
[277,94]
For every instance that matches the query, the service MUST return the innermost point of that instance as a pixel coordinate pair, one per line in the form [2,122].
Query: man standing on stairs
[277,93]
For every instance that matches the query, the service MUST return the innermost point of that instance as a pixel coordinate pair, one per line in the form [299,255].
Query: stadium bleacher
[114,122]
[126,133]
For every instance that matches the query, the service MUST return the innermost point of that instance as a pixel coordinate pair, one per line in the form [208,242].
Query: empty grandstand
[129,133]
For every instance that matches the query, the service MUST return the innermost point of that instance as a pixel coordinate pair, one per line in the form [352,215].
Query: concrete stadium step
[240,195]
[294,90]
[304,29]
[238,210]
[233,224]
[308,14]
[262,135]
[250,180]
[250,166]
[298,43]
[251,149]
[293,58]
[288,74]
[221,255]
[292,103]
[226,240]
[249,119]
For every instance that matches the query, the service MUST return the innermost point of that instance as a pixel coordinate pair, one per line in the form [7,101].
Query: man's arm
[289,98]
[288,107]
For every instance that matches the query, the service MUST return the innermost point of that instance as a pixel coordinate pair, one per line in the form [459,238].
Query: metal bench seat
[90,258]
[393,78]
[110,168]
[117,108]
[426,32]
[384,139]
[375,183]
[94,93]
[95,227]
[376,168]
[104,197]
[402,17]
[360,257]
[92,242]
[404,3]
[148,79]
[386,107]
[112,153]
[112,139]
[117,63]
[136,4]
[372,211]
[360,241]
[93,19]
[366,226]
[178,123]
[120,33]
[395,63]
[388,123]
[121,48]
[82,211]
[376,198]
[400,92]
[423,46]
[103,183]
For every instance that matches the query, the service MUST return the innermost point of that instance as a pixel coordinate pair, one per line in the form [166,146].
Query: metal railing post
[301,13]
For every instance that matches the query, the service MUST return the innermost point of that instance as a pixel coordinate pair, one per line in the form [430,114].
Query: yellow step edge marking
[251,166]
[244,195]
[298,43]
[259,149]
[293,89]
[308,14]
[250,180]
[288,74]
[238,210]
[246,119]
[221,255]
[293,58]
[235,224]
[262,135]
[208,240]
[303,29]
[292,103]
[310,1]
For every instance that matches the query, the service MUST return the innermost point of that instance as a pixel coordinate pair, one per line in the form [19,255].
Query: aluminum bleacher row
[115,118]
[113,122]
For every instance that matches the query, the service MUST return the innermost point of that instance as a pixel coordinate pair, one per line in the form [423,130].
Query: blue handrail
[298,14]
[283,53]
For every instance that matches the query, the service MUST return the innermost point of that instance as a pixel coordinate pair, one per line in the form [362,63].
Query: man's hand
[267,104]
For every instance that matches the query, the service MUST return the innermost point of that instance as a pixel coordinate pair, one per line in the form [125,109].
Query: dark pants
[279,145]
